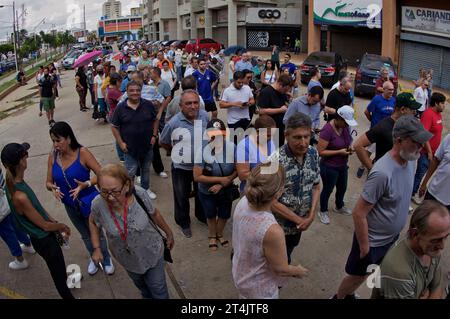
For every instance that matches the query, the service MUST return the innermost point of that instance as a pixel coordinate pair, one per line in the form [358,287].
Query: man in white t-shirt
[100,111]
[421,96]
[236,99]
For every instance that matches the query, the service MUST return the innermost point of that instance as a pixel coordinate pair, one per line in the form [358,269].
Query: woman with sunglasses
[68,177]
[124,213]
[32,218]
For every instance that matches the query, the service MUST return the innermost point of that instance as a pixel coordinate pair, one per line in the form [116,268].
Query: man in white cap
[381,211]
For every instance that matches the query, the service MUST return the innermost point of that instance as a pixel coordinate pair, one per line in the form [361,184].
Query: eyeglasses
[113,192]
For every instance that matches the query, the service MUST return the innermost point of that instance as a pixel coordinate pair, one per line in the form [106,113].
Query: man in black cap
[381,212]
[381,133]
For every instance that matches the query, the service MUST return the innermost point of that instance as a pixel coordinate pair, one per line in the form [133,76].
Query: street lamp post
[14,32]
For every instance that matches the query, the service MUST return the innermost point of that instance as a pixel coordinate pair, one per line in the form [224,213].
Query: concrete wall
[221,35]
[241,37]
[167,8]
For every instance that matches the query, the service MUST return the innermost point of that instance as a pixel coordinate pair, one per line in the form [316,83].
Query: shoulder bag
[231,192]
[167,254]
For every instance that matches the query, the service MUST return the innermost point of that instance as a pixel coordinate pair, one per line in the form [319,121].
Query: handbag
[176,87]
[4,206]
[84,202]
[167,253]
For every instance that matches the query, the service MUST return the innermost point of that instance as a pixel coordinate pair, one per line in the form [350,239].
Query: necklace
[122,233]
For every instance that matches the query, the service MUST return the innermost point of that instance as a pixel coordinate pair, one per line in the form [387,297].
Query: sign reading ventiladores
[360,13]
[426,20]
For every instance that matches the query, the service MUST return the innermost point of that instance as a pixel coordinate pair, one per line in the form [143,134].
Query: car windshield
[317,57]
[192,41]
[376,63]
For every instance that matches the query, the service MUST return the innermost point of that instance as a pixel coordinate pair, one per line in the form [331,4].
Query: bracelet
[89,183]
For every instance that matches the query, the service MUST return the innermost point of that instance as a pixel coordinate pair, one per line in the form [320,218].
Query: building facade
[123,28]
[160,20]
[112,9]
[253,24]
[413,33]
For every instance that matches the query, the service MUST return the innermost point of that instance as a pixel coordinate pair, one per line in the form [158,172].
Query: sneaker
[109,269]
[92,268]
[187,232]
[343,211]
[417,199]
[360,172]
[410,209]
[18,265]
[137,180]
[151,194]
[163,175]
[324,219]
[28,249]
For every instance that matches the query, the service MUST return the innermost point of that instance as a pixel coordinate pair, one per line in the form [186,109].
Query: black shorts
[210,106]
[358,267]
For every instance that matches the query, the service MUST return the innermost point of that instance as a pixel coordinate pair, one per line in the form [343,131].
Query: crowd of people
[271,141]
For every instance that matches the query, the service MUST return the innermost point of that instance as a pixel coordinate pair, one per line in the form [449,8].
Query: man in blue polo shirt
[174,138]
[206,81]
[244,63]
[382,105]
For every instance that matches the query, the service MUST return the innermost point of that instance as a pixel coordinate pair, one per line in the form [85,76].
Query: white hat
[348,114]
[131,68]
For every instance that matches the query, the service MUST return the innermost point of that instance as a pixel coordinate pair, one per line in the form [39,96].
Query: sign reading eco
[426,20]
[361,13]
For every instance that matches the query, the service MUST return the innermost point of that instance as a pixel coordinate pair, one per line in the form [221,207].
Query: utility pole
[14,37]
[84,20]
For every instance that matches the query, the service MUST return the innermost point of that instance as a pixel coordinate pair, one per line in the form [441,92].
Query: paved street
[197,272]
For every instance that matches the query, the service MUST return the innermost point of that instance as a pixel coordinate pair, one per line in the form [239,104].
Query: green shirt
[404,277]
[21,220]
[298,43]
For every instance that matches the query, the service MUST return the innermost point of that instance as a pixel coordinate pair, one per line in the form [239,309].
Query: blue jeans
[333,177]
[421,170]
[179,73]
[82,225]
[120,153]
[152,283]
[11,235]
[133,164]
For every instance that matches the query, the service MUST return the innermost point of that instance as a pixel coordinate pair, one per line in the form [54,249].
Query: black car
[180,44]
[329,63]
[368,72]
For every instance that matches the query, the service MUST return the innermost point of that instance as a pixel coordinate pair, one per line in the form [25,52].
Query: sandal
[213,247]
[224,243]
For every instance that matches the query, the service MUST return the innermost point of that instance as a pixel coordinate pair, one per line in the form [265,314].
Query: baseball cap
[407,100]
[410,126]
[131,68]
[12,153]
[216,127]
[348,114]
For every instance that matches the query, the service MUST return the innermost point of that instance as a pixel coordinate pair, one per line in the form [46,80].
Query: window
[207,41]
[166,26]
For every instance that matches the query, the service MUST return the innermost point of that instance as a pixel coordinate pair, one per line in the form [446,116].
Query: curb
[16,85]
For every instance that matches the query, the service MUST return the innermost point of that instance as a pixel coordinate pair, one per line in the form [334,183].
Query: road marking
[10,293]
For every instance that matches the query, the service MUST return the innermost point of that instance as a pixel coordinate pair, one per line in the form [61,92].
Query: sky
[59,14]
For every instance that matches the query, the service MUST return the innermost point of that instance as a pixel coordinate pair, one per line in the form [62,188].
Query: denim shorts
[214,207]
[358,267]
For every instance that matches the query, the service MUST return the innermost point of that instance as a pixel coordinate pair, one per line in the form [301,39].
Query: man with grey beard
[381,211]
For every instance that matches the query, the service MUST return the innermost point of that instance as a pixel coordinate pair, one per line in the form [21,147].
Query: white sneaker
[92,268]
[137,180]
[417,199]
[18,265]
[28,249]
[343,211]
[109,270]
[410,209]
[163,175]
[324,219]
[151,194]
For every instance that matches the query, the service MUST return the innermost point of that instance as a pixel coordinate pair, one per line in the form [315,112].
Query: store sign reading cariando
[426,20]
[360,13]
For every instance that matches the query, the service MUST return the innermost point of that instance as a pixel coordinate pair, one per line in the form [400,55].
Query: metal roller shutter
[415,56]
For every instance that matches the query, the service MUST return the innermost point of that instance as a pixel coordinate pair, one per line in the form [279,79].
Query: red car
[197,45]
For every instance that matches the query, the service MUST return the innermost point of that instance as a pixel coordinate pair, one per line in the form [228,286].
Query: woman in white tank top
[269,75]
[260,263]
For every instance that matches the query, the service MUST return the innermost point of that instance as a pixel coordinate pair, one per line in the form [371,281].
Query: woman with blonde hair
[131,225]
[260,263]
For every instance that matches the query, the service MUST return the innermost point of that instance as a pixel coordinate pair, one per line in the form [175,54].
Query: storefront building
[126,28]
[425,40]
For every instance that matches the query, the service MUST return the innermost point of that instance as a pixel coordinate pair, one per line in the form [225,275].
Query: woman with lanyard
[215,175]
[32,218]
[68,177]
[128,218]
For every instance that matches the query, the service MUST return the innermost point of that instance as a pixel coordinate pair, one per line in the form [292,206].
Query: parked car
[197,45]
[234,49]
[68,62]
[330,65]
[180,44]
[368,72]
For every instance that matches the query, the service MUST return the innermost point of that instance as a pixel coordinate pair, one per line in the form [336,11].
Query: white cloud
[59,14]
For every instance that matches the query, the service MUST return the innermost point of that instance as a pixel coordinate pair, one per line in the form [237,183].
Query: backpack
[4,205]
